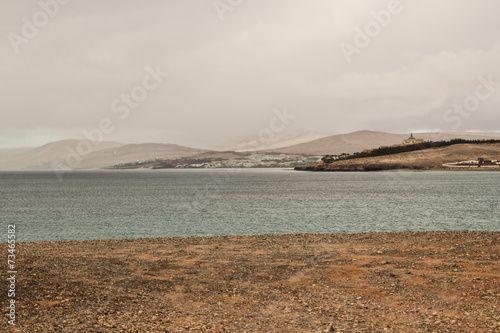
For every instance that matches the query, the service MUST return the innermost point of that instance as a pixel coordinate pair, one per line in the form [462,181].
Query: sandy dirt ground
[372,282]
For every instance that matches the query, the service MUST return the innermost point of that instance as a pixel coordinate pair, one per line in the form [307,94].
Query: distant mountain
[278,141]
[66,154]
[8,158]
[13,151]
[45,157]
[358,141]
[136,152]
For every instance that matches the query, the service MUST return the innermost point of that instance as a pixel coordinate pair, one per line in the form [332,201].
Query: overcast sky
[65,68]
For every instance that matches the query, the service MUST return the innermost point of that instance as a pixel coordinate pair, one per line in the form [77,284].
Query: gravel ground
[370,282]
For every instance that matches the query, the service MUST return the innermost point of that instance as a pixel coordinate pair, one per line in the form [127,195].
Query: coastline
[377,282]
[431,159]
[359,168]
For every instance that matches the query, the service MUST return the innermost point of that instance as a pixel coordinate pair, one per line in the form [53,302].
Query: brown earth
[357,141]
[428,159]
[371,282]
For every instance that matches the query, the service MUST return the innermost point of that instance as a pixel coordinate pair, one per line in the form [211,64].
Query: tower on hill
[411,140]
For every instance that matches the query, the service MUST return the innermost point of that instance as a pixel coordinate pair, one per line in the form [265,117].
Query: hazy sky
[337,66]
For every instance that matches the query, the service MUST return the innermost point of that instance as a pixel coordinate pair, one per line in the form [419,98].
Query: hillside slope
[136,152]
[46,156]
[358,141]
[63,154]
[428,159]
[276,142]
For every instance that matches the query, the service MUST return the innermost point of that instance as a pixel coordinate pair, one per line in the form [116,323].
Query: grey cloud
[227,76]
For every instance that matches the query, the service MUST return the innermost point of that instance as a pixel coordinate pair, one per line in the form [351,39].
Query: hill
[101,155]
[136,152]
[107,154]
[358,141]
[276,142]
[44,157]
[429,159]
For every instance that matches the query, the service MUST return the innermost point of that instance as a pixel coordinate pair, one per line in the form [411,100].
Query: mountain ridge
[277,141]
[85,154]
[65,153]
[360,140]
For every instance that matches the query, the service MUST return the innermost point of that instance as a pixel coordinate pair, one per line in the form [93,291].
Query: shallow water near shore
[161,203]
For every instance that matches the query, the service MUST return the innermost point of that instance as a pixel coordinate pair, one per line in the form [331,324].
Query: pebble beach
[366,282]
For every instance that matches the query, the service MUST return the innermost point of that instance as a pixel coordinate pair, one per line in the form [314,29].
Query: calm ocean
[157,203]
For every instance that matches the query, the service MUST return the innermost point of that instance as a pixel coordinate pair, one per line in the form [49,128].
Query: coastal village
[240,160]
[480,162]
[229,159]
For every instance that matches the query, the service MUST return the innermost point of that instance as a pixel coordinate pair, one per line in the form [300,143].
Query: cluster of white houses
[480,162]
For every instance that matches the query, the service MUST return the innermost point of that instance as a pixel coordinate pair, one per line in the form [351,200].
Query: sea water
[158,203]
